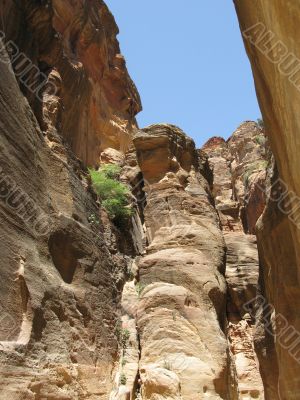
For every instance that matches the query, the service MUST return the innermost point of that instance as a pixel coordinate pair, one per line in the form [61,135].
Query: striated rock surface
[62,270]
[68,63]
[59,287]
[239,174]
[181,311]
[155,309]
[270,32]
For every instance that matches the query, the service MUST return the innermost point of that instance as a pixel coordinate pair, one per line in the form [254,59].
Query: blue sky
[189,64]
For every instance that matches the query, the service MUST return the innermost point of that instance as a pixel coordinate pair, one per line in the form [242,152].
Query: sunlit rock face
[154,310]
[90,98]
[238,181]
[181,311]
[239,172]
[270,32]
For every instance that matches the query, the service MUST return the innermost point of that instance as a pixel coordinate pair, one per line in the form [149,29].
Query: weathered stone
[275,68]
[239,172]
[61,270]
[89,97]
[181,309]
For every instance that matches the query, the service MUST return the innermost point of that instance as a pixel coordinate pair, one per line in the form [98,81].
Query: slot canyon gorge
[194,291]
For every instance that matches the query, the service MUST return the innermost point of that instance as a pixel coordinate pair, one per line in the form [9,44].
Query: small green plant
[167,365]
[260,140]
[247,175]
[139,287]
[125,337]
[114,194]
[93,220]
[124,362]
[174,315]
[123,379]
[260,123]
[111,171]
[257,166]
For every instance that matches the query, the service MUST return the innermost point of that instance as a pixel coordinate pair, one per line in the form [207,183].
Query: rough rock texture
[242,279]
[238,182]
[56,277]
[181,311]
[271,40]
[89,97]
[239,172]
[61,271]
[71,327]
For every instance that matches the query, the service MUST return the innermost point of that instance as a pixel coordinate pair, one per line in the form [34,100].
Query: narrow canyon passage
[183,308]
[172,274]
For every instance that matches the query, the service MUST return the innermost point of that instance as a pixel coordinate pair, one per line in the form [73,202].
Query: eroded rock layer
[64,92]
[181,312]
[238,186]
[154,309]
[71,46]
[239,174]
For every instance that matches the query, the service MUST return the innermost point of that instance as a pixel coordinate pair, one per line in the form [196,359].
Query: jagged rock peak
[239,171]
[168,149]
[214,141]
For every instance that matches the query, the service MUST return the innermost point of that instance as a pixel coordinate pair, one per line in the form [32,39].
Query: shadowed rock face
[271,36]
[61,275]
[58,292]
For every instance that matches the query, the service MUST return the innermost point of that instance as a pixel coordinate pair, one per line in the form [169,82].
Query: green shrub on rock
[113,193]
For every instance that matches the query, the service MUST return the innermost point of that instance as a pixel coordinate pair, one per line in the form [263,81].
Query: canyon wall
[68,63]
[270,34]
[154,309]
[238,177]
[189,335]
[65,93]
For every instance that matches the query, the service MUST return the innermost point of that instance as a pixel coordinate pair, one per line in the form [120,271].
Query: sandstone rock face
[242,279]
[271,40]
[58,279]
[239,174]
[87,94]
[62,271]
[181,310]
[156,310]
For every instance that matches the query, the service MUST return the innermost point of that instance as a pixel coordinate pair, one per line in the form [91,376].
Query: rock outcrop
[181,311]
[67,61]
[239,174]
[270,34]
